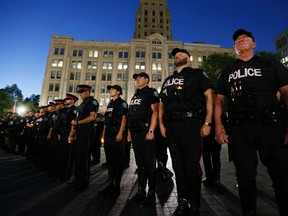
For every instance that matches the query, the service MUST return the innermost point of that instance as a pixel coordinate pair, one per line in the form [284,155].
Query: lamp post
[15,106]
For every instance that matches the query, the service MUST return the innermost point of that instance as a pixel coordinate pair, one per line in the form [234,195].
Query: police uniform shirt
[251,86]
[140,105]
[184,91]
[116,109]
[87,106]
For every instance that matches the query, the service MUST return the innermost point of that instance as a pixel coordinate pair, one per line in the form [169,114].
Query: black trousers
[144,150]
[82,154]
[245,141]
[211,156]
[184,142]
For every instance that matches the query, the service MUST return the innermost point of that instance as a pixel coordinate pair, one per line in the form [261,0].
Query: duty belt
[263,117]
[181,115]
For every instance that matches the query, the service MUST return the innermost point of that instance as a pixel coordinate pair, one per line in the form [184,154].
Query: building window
[110,65]
[93,53]
[110,54]
[142,66]
[159,77]
[77,76]
[109,76]
[57,63]
[119,77]
[88,74]
[199,59]
[153,77]
[70,87]
[79,65]
[92,88]
[154,66]
[154,55]
[125,77]
[73,64]
[93,76]
[51,86]
[104,66]
[59,74]
[57,85]
[170,56]
[159,56]
[105,54]
[72,75]
[137,54]
[103,88]
[56,51]
[62,51]
[170,66]
[142,54]
[103,78]
[120,55]
[137,65]
[120,66]
[78,53]
[53,73]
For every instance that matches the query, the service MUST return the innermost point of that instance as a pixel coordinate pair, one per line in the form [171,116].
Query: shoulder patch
[95,102]
[75,111]
[124,105]
[155,93]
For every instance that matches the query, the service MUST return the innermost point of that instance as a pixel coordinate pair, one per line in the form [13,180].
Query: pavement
[28,190]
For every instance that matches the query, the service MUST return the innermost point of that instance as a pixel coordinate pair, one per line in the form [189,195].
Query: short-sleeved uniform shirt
[116,109]
[251,86]
[183,91]
[87,106]
[140,105]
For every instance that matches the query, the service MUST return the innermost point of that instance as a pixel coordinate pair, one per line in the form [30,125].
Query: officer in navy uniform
[256,123]
[81,134]
[54,135]
[65,148]
[114,126]
[142,121]
[96,144]
[186,99]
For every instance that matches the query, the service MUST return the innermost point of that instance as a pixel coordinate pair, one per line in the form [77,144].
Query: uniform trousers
[266,139]
[184,142]
[82,154]
[114,151]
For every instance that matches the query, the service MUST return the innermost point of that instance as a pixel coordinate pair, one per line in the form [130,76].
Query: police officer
[186,99]
[142,121]
[65,148]
[114,126]
[255,121]
[82,132]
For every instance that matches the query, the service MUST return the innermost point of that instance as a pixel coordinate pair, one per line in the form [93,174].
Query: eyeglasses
[81,91]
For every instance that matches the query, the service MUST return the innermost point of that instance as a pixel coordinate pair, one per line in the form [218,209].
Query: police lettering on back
[247,72]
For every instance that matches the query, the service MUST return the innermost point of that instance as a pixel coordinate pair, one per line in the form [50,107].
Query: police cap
[71,97]
[82,88]
[176,50]
[239,32]
[141,74]
[117,87]
[59,101]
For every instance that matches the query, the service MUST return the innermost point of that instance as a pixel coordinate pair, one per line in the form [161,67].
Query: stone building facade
[71,62]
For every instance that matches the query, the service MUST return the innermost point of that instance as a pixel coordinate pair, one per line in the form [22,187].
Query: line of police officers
[182,113]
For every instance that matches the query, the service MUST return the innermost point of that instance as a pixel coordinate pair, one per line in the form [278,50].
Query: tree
[268,55]
[8,96]
[32,102]
[215,64]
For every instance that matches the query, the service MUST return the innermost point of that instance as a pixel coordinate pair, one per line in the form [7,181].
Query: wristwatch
[208,124]
[151,131]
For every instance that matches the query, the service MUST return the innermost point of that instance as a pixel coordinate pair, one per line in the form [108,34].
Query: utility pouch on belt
[177,116]
[138,126]
[266,117]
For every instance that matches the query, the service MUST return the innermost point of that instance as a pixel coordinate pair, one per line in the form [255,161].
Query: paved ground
[27,190]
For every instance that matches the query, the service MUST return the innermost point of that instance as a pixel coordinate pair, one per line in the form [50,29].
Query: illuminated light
[21,110]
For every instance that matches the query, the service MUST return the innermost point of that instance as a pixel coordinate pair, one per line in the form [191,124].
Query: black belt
[181,115]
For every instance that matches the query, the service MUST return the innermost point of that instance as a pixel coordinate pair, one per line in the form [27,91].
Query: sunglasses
[81,91]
